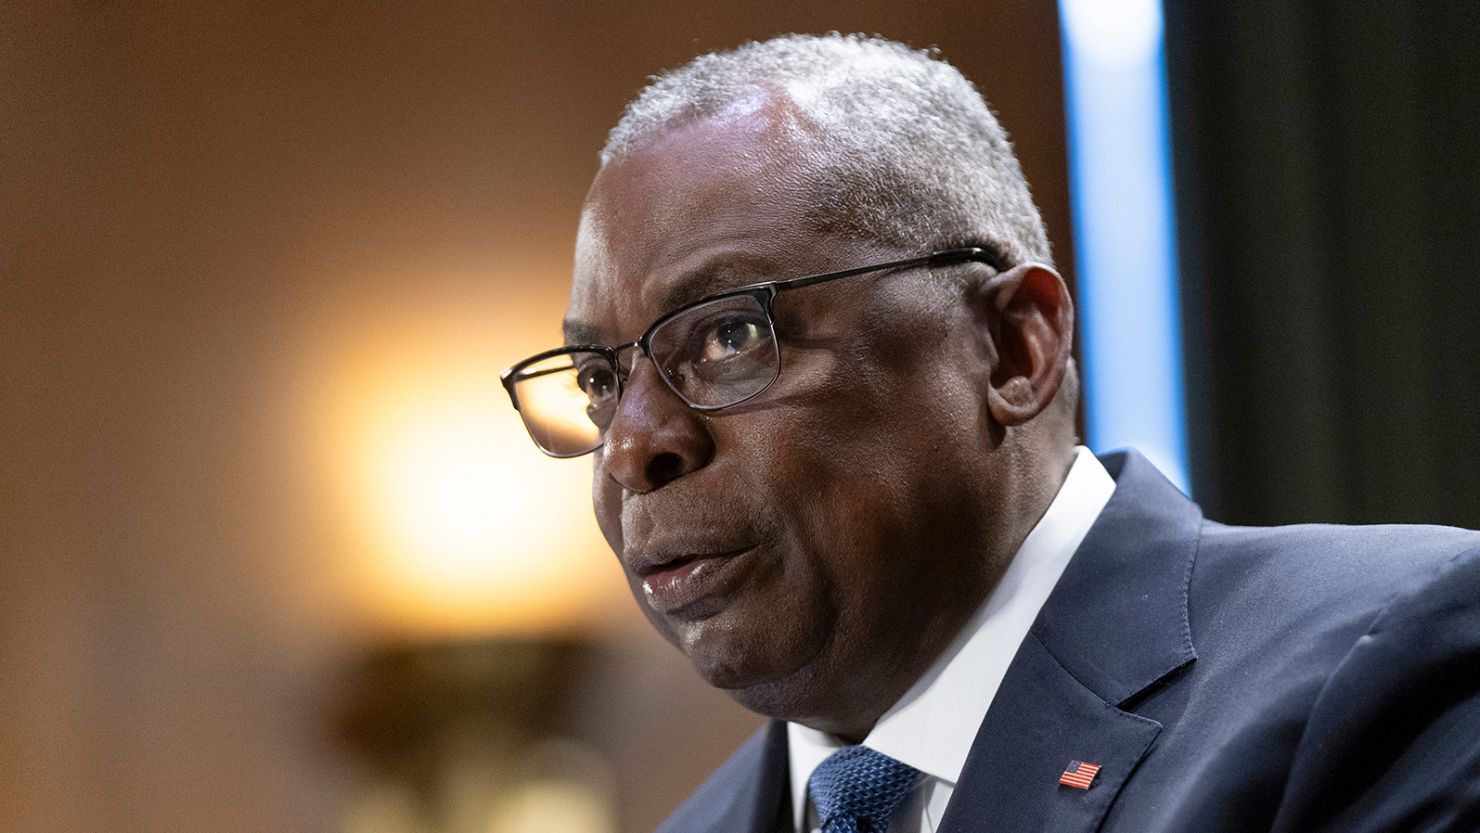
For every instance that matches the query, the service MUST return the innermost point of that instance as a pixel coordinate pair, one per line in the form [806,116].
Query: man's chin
[815,697]
[733,667]
[792,697]
[766,677]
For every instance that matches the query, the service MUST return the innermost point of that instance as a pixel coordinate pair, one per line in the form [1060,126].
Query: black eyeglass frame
[765,293]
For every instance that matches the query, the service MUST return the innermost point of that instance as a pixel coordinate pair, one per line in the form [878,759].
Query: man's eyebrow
[714,276]
[709,278]
[580,332]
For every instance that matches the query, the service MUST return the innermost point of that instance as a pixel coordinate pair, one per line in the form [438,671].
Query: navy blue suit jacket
[1292,679]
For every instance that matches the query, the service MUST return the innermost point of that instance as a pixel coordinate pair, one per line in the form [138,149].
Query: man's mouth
[690,585]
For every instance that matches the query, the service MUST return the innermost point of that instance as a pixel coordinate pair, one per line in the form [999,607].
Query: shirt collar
[933,726]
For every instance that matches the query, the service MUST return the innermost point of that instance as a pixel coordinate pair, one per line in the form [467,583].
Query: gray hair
[914,156]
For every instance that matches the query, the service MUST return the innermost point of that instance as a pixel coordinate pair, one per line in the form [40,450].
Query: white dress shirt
[933,725]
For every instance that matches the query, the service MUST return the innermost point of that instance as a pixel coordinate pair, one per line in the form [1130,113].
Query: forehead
[713,204]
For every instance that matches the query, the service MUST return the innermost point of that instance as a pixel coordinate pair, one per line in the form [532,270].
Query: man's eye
[729,338]
[597,382]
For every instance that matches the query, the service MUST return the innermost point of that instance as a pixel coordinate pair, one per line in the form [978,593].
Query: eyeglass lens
[562,397]
[713,354]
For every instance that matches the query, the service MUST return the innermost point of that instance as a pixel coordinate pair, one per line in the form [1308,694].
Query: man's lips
[675,583]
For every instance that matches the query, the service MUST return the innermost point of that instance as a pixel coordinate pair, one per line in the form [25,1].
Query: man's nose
[654,438]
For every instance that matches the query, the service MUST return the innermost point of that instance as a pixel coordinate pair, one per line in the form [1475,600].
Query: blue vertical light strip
[1124,230]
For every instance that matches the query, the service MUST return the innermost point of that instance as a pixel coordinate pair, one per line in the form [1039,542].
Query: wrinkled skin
[876,492]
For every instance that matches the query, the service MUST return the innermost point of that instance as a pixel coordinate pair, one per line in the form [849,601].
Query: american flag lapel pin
[1079,775]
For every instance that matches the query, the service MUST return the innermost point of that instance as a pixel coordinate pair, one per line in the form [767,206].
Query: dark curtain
[1327,165]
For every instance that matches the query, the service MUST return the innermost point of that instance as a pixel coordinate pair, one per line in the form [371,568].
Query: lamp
[476,566]
[466,737]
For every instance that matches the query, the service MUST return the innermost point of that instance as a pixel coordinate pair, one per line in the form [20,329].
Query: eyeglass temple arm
[535,374]
[980,254]
[976,253]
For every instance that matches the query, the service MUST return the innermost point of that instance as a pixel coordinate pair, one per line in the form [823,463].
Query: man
[818,349]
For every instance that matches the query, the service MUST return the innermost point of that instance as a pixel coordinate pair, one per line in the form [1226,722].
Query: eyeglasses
[714,353]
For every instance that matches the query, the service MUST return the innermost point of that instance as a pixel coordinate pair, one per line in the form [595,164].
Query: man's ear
[1023,324]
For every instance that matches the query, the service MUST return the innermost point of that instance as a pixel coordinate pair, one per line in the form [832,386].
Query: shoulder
[1319,578]
[1362,642]
[1331,551]
[1275,613]
[1390,739]
[1334,685]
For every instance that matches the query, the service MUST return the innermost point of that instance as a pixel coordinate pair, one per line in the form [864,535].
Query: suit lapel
[1040,721]
[1115,625]
[760,800]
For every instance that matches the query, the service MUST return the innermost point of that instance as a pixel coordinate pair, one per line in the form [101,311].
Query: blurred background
[277,556]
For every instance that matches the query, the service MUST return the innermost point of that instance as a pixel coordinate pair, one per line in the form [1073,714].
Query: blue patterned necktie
[857,790]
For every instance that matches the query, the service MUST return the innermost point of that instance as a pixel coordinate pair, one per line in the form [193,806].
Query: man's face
[811,549]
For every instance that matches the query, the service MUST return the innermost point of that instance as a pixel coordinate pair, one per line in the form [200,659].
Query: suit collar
[1117,620]
[762,803]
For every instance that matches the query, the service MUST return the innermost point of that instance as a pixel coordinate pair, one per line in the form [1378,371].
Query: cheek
[606,500]
[827,503]
[869,487]
[856,522]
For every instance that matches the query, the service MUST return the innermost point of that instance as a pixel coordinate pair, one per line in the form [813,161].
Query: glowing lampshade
[457,524]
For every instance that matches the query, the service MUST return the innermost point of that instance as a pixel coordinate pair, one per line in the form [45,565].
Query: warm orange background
[260,267]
